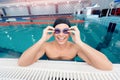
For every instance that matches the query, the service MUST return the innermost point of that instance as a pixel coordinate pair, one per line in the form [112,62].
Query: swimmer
[62,49]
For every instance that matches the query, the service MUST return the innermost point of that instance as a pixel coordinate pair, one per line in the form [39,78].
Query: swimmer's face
[61,33]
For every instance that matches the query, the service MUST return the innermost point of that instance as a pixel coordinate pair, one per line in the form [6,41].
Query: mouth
[61,39]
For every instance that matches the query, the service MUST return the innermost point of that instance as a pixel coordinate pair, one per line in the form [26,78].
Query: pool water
[14,39]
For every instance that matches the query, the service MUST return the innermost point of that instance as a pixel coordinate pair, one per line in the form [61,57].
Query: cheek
[68,35]
[55,35]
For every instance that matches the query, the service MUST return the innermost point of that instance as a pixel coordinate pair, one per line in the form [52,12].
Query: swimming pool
[14,39]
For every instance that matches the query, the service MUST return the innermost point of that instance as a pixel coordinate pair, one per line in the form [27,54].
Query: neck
[61,46]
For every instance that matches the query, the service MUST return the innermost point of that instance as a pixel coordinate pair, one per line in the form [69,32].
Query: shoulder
[72,45]
[47,44]
[76,47]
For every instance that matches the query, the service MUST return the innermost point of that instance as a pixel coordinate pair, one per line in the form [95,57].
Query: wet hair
[61,20]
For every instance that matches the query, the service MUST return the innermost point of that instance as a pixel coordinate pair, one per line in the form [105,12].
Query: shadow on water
[10,52]
[107,37]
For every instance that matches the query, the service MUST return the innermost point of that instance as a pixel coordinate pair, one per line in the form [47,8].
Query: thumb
[72,34]
[49,36]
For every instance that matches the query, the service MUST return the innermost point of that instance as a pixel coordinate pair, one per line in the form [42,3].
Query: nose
[61,33]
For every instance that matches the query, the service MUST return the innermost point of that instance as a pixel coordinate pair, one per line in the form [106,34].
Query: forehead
[61,26]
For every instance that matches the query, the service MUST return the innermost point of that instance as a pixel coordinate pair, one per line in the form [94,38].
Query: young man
[62,49]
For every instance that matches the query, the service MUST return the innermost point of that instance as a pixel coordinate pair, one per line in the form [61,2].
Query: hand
[75,34]
[47,33]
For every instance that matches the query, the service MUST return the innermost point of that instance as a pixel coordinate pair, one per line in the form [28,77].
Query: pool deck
[9,69]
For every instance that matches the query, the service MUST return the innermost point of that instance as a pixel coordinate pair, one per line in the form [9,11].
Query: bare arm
[28,57]
[37,50]
[94,57]
[89,54]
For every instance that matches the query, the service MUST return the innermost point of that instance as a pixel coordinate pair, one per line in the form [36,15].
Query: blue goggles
[58,31]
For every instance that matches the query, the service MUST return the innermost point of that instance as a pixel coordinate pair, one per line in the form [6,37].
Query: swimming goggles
[58,31]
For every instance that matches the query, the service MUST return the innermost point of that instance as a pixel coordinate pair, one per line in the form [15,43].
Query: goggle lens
[58,31]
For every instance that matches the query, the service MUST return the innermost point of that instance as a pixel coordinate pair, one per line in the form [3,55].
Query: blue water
[15,39]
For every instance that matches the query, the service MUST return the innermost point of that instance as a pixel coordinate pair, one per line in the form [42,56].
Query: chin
[61,43]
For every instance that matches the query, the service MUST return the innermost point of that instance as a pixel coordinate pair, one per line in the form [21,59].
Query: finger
[50,31]
[72,35]
[50,28]
[74,28]
[51,34]
[71,31]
